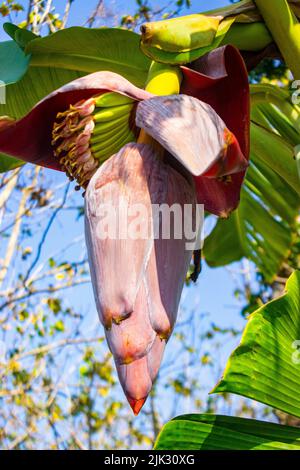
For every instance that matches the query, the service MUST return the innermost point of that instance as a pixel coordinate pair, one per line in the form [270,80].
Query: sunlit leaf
[90,50]
[266,364]
[215,432]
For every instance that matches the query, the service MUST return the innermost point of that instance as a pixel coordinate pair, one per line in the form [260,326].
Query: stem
[163,79]
[285,30]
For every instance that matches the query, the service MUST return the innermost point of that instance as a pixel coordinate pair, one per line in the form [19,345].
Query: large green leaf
[266,364]
[65,56]
[264,143]
[215,432]
[90,50]
[262,228]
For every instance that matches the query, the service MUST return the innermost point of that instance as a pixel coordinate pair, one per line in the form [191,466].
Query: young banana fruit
[184,39]
[181,34]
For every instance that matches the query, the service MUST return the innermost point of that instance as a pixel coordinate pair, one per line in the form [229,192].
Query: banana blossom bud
[137,277]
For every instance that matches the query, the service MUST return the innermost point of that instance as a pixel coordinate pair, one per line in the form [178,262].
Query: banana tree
[161,118]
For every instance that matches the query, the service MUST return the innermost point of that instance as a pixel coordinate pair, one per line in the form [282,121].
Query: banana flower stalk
[197,150]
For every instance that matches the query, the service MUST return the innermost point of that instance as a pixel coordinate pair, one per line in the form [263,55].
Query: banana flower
[198,150]
[137,282]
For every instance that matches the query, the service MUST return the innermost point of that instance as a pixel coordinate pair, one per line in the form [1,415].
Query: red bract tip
[136,405]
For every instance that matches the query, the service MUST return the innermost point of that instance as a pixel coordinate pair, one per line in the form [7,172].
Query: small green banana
[112,99]
[113,131]
[112,113]
[107,152]
[248,37]
[108,126]
[115,138]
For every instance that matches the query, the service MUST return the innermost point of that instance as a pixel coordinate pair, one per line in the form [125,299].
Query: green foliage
[91,50]
[215,432]
[264,227]
[264,367]
[266,364]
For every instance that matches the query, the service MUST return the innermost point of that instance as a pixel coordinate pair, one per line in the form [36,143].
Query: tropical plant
[164,118]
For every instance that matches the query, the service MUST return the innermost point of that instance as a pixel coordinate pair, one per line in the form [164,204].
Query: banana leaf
[263,227]
[216,432]
[266,364]
[91,50]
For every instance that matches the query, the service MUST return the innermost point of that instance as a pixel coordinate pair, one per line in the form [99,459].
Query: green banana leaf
[90,50]
[216,432]
[65,56]
[262,227]
[266,364]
